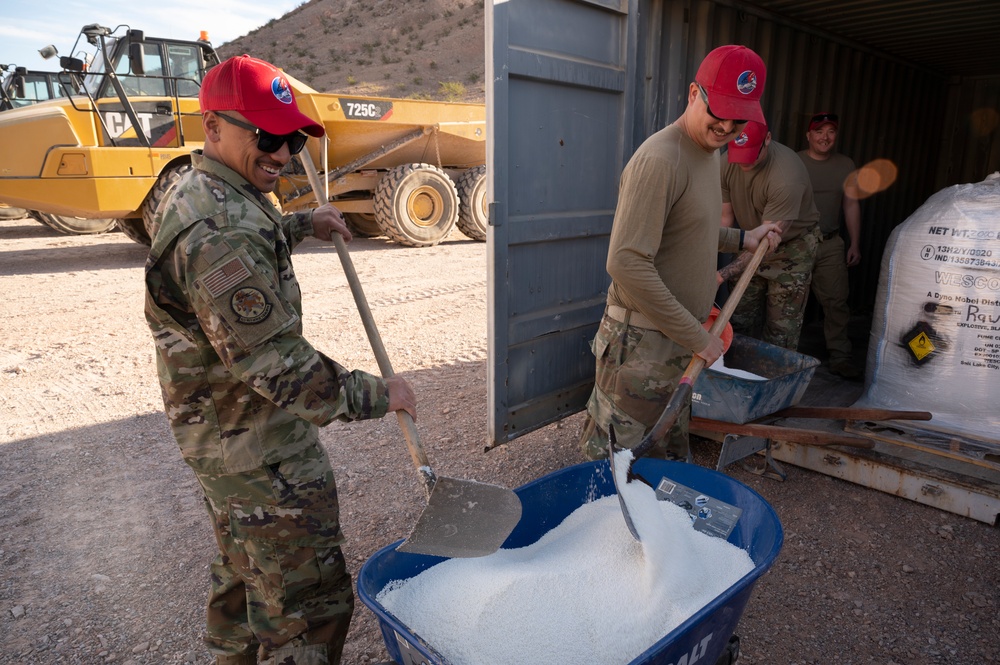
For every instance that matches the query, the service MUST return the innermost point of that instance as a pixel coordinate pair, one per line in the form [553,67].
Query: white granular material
[585,592]
[720,366]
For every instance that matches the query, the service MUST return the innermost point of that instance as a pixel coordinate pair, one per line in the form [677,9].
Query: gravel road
[104,547]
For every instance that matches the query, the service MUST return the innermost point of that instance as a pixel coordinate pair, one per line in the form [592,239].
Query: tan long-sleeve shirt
[666,236]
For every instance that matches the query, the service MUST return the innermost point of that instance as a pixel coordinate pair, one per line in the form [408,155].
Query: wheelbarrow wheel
[731,653]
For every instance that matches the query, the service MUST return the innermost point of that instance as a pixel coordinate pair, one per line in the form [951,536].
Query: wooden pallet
[905,472]
[954,474]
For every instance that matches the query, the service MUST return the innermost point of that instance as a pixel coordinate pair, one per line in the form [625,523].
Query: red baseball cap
[259,91]
[824,118]
[745,148]
[733,77]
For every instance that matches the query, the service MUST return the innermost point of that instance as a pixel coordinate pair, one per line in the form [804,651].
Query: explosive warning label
[985,352]
[973,321]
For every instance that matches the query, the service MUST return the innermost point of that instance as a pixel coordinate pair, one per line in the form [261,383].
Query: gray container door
[559,107]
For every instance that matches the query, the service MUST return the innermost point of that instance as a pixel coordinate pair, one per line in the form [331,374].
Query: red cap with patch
[824,118]
[733,77]
[259,91]
[746,147]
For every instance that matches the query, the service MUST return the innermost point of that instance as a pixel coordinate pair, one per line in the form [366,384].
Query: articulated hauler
[106,154]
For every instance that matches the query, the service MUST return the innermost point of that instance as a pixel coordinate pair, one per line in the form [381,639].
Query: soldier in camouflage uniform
[243,390]
[764,181]
[662,257]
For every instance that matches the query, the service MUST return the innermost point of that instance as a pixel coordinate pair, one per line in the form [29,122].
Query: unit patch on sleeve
[242,293]
[226,277]
[249,304]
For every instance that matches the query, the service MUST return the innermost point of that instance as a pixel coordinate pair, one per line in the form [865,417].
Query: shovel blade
[464,519]
[618,489]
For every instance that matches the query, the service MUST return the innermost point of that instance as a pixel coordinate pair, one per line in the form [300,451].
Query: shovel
[463,518]
[683,392]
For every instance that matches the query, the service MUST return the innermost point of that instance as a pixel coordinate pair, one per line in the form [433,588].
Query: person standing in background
[764,182]
[835,190]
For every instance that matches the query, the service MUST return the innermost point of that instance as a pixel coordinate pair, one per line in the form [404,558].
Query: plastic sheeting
[935,338]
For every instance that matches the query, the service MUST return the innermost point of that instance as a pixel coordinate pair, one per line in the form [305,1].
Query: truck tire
[77,226]
[416,204]
[8,212]
[134,229]
[164,183]
[362,224]
[473,215]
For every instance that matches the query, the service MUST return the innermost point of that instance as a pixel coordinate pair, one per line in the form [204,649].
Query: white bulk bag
[935,338]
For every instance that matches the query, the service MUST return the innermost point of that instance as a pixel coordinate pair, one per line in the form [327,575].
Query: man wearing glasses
[763,182]
[662,257]
[243,390]
[834,184]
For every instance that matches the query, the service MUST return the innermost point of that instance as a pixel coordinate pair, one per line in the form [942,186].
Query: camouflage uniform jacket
[241,386]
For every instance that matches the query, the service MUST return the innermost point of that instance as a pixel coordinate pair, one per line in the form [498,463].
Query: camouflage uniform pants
[831,287]
[772,307]
[637,372]
[281,593]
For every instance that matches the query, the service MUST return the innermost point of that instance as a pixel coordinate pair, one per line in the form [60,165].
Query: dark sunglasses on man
[268,142]
[704,98]
[824,117]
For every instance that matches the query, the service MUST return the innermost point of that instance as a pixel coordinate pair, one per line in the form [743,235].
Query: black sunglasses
[824,117]
[704,98]
[268,142]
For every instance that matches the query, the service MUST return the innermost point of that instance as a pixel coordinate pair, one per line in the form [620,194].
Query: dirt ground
[104,546]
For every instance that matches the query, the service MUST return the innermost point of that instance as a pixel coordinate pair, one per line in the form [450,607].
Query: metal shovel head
[618,489]
[464,519]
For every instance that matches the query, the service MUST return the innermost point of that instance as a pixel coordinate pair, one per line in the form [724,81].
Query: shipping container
[577,85]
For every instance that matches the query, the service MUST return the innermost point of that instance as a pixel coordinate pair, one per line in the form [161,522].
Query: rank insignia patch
[250,305]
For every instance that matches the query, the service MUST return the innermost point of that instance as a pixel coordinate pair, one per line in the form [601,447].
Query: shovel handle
[406,423]
[684,388]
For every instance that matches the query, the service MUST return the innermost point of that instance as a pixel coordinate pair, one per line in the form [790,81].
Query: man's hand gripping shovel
[463,518]
[683,392]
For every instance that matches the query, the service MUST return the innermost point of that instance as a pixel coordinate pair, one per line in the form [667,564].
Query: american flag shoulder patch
[226,276]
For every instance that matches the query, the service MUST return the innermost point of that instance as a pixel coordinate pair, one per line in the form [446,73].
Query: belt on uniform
[831,234]
[620,314]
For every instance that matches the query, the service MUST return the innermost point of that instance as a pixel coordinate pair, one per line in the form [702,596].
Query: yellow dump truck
[20,86]
[409,169]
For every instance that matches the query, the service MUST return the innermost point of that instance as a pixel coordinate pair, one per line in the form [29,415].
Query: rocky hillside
[427,49]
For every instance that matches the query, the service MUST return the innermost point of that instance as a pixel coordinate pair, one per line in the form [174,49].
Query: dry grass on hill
[427,49]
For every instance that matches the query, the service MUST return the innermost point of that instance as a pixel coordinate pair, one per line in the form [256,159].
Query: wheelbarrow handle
[850,413]
[809,437]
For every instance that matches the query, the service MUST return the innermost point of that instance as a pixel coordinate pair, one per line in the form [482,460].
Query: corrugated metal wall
[890,110]
[971,146]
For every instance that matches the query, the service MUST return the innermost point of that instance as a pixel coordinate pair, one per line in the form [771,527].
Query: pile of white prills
[586,592]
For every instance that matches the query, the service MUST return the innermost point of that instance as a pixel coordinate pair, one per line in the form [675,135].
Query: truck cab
[148,66]
[20,86]
[87,159]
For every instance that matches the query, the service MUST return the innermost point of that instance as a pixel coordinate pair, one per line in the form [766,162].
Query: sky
[29,25]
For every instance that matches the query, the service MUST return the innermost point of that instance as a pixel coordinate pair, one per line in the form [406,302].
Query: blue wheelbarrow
[546,502]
